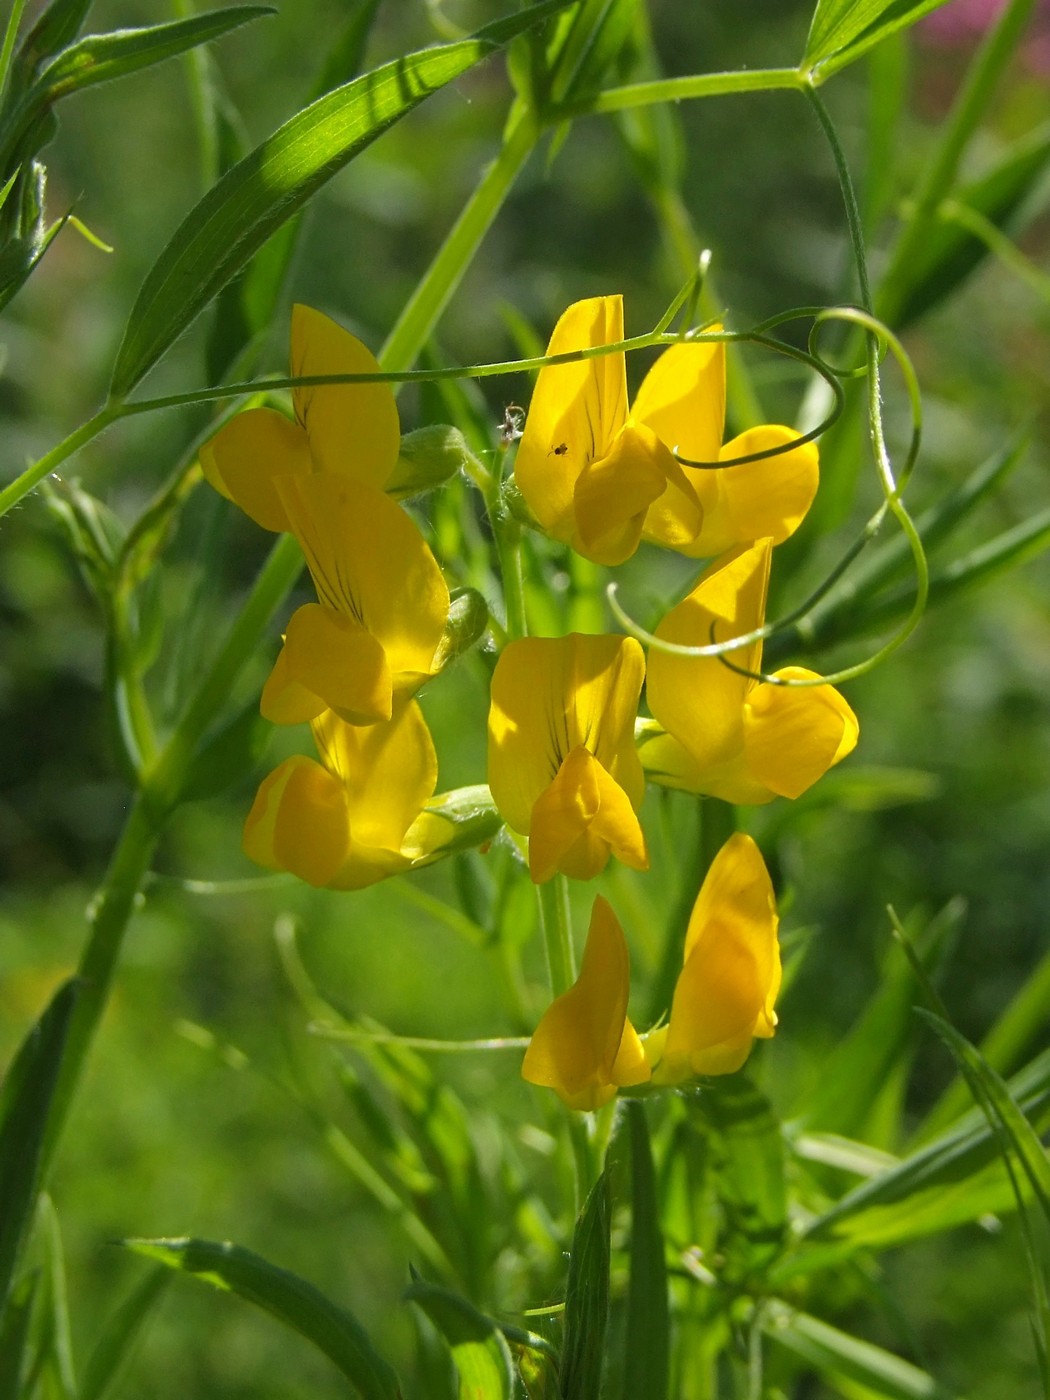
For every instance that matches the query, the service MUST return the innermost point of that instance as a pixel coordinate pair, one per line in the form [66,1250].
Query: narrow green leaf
[844,29]
[587,1299]
[25,1100]
[290,1299]
[259,194]
[482,1357]
[120,1334]
[58,25]
[101,57]
[14,1334]
[748,1150]
[838,1355]
[224,759]
[58,1329]
[853,1074]
[646,1366]
[892,1204]
[950,252]
[1024,1019]
[1000,1108]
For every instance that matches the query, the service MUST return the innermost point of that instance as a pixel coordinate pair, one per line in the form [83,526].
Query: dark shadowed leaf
[482,1358]
[587,1299]
[288,1298]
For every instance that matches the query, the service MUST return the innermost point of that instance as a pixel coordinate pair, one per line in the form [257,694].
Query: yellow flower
[354,818]
[563,768]
[351,430]
[584,1046]
[682,399]
[730,974]
[600,477]
[382,607]
[726,734]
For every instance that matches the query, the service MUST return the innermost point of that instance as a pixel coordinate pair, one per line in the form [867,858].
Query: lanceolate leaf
[261,192]
[482,1357]
[844,29]
[25,1099]
[648,1328]
[838,1355]
[100,57]
[587,1299]
[293,1301]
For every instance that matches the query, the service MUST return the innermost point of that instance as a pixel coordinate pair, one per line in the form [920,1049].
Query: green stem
[32,476]
[662,90]
[557,933]
[108,916]
[432,295]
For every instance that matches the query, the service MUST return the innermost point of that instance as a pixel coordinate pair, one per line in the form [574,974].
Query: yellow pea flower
[588,471]
[585,1047]
[382,607]
[726,734]
[682,399]
[351,430]
[601,477]
[730,974]
[350,820]
[563,768]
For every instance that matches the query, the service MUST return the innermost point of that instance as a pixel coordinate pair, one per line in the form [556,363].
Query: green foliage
[291,1300]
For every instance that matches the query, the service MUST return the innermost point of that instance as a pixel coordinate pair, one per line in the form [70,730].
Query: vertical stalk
[108,916]
[557,933]
[432,295]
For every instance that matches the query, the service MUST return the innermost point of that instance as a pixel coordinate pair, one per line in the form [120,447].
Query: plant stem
[557,933]
[32,476]
[662,90]
[432,295]
[108,916]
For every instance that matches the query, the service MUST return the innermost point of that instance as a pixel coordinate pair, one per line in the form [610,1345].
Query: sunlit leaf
[482,1357]
[288,1298]
[841,30]
[102,57]
[261,192]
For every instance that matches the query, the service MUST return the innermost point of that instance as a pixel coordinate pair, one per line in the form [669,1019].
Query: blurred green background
[169,1140]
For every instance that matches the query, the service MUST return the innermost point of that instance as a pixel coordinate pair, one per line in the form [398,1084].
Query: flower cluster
[568,752]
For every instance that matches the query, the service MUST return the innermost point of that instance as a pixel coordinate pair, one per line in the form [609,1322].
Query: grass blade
[114,1346]
[840,1356]
[101,57]
[25,1100]
[646,1369]
[482,1357]
[587,1299]
[290,1299]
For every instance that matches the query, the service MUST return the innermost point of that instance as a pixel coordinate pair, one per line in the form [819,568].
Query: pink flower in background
[963,21]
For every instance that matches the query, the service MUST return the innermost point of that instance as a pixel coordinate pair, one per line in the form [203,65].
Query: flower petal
[285,700]
[582,818]
[731,971]
[574,415]
[792,736]
[370,563]
[578,1047]
[698,699]
[388,771]
[755,499]
[243,458]
[614,492]
[683,399]
[353,429]
[332,656]
[551,695]
[299,822]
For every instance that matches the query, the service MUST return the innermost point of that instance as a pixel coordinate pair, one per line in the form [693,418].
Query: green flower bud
[428,457]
